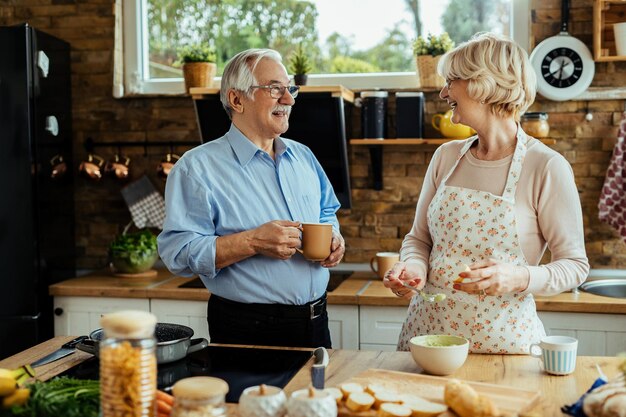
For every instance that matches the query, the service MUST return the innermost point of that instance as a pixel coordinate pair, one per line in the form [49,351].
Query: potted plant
[198,62]
[427,54]
[299,65]
[133,253]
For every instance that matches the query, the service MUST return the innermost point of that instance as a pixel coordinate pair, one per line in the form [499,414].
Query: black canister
[374,114]
[410,115]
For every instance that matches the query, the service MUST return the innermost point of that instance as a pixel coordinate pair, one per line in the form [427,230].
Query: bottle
[199,396]
[128,365]
[536,124]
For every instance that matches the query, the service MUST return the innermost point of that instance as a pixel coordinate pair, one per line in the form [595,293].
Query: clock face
[561,67]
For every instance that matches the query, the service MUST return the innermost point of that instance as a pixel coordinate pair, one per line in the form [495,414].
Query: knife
[67,349]
[318,369]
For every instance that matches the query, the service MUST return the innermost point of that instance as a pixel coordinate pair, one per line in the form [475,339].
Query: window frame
[136,44]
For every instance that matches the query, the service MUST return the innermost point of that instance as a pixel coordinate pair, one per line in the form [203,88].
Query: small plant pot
[426,67]
[300,79]
[198,74]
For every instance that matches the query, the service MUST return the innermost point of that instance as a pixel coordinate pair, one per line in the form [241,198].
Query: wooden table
[513,370]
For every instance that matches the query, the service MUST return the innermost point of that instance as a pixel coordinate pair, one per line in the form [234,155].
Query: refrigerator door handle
[20,318]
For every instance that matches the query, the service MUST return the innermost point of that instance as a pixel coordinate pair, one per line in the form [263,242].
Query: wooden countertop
[362,288]
[520,371]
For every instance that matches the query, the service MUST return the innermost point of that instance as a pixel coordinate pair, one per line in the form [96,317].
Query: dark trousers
[268,324]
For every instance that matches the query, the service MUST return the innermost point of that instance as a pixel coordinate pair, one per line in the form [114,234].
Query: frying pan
[173,342]
[556,45]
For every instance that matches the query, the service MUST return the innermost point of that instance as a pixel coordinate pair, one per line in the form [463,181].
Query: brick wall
[378,219]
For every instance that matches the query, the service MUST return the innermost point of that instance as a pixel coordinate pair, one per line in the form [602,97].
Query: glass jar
[199,396]
[536,124]
[128,366]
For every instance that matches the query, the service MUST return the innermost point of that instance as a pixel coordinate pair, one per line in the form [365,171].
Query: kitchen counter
[519,371]
[362,288]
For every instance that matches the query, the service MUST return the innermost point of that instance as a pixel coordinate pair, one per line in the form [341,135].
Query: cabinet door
[343,321]
[597,334]
[380,327]
[80,315]
[187,313]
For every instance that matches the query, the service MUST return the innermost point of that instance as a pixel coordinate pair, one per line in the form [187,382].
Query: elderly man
[234,211]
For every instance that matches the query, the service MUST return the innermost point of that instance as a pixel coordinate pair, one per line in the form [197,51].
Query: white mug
[558,354]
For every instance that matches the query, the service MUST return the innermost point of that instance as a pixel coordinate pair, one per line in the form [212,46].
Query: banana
[7,386]
[19,397]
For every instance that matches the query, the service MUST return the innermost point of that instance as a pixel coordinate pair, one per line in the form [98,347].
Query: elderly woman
[489,207]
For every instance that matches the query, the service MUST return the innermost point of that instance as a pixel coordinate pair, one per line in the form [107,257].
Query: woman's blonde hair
[498,71]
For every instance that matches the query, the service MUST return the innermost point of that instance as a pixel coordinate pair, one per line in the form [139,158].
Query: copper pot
[165,166]
[92,167]
[118,168]
[59,167]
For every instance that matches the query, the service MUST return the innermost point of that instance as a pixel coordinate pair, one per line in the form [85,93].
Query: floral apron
[467,226]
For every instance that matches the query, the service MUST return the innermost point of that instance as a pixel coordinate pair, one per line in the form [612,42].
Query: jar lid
[535,116]
[410,94]
[129,323]
[382,94]
[199,388]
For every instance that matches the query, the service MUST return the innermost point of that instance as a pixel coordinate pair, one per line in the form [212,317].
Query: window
[351,42]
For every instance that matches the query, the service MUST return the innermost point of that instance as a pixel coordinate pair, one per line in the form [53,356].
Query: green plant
[134,252]
[299,61]
[200,52]
[434,45]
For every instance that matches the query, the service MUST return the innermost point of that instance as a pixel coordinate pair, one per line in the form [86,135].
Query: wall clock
[563,64]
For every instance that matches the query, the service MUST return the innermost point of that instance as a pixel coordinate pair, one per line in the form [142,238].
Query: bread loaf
[466,402]
[607,400]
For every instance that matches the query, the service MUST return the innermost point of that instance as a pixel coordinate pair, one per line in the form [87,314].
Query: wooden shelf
[605,14]
[198,93]
[378,142]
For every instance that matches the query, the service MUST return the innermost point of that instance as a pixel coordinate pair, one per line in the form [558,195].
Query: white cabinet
[597,334]
[80,315]
[380,327]
[187,313]
[343,322]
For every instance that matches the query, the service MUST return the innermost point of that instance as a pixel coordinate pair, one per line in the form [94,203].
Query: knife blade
[318,370]
[67,349]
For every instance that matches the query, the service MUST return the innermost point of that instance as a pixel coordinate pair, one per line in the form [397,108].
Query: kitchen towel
[146,205]
[612,206]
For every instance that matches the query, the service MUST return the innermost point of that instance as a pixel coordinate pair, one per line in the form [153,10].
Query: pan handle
[197,344]
[88,346]
[564,15]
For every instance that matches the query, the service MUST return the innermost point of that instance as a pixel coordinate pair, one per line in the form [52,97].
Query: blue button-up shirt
[230,185]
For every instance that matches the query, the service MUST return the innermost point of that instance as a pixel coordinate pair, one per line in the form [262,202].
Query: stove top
[240,367]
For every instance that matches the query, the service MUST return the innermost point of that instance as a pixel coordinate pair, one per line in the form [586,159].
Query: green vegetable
[132,251]
[62,396]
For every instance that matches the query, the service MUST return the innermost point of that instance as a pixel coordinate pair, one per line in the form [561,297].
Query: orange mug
[92,167]
[118,168]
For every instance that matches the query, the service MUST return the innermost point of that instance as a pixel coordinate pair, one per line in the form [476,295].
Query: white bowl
[439,354]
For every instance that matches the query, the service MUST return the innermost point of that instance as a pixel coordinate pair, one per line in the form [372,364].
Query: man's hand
[277,239]
[337,250]
[403,272]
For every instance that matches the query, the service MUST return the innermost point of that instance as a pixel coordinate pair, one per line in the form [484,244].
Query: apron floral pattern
[467,226]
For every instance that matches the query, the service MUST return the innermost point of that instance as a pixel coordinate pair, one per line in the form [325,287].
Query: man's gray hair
[239,73]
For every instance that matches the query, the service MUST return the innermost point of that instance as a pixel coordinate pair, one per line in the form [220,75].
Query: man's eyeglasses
[278,90]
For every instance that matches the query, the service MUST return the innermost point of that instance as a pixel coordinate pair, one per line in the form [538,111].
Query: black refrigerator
[36,183]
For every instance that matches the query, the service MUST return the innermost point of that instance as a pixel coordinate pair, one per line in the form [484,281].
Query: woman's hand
[403,272]
[492,277]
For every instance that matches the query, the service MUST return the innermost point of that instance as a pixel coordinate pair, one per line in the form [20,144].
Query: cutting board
[509,400]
